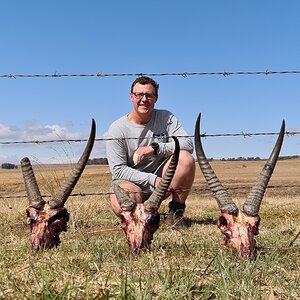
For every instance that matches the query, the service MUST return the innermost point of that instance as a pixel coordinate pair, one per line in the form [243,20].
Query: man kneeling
[139,150]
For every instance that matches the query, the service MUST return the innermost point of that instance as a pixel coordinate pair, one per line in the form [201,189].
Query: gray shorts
[160,168]
[146,190]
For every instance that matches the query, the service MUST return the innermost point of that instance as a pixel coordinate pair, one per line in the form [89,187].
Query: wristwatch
[155,147]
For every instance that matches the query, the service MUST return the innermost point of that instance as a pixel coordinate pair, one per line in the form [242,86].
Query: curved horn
[224,200]
[154,201]
[33,192]
[252,204]
[123,198]
[64,192]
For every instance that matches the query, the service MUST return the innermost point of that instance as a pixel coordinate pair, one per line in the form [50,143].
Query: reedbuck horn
[124,200]
[141,220]
[154,201]
[64,192]
[224,200]
[252,204]
[33,192]
[239,226]
[47,219]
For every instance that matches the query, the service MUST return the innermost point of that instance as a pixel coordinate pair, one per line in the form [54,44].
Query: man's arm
[117,155]
[185,142]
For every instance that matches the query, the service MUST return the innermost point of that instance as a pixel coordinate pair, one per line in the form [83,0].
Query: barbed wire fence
[193,190]
[180,74]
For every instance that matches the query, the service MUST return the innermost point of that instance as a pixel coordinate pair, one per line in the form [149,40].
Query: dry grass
[94,262]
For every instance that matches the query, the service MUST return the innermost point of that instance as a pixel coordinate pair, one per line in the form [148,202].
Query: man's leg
[182,182]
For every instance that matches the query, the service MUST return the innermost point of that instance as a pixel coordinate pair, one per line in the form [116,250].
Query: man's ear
[131,96]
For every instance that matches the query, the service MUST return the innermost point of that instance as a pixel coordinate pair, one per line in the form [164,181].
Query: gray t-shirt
[124,137]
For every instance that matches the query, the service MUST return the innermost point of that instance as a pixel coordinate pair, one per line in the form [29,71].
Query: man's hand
[141,152]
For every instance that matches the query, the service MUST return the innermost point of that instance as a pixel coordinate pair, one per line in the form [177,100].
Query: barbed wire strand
[182,74]
[193,190]
[288,133]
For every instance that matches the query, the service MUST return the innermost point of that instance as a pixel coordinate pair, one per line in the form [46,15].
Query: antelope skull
[141,220]
[47,219]
[239,226]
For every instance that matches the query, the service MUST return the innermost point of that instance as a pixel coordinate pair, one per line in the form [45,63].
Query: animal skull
[47,219]
[141,220]
[139,226]
[238,225]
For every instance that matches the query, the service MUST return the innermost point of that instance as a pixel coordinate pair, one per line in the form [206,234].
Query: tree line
[257,158]
[104,161]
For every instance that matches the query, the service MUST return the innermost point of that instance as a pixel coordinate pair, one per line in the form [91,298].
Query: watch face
[154,145]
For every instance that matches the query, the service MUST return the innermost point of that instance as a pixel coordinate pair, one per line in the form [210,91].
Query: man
[139,149]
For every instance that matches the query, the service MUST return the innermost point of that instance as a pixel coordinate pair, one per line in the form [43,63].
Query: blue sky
[160,36]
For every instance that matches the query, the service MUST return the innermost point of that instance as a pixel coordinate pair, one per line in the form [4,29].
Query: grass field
[94,260]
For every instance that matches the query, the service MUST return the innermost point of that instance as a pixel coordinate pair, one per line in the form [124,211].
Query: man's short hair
[145,80]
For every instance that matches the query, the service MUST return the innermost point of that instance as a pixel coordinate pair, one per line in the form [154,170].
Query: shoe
[175,219]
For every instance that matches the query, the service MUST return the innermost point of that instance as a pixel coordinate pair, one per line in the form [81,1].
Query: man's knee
[136,193]
[186,161]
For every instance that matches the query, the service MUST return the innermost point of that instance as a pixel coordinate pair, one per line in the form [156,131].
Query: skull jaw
[46,224]
[139,226]
[239,231]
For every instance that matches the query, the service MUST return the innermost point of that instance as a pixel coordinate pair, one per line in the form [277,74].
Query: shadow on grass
[190,222]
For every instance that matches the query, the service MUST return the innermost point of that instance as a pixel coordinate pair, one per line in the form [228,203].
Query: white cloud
[37,132]
[8,132]
[42,152]
[48,132]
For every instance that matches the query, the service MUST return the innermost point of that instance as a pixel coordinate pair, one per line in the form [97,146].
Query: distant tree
[9,166]
[98,161]
[288,157]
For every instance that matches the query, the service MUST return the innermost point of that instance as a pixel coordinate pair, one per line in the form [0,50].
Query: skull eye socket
[153,222]
[222,221]
[32,220]
[227,235]
[253,228]
[55,217]
[61,215]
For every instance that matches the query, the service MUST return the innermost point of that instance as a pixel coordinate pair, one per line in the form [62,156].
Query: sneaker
[175,219]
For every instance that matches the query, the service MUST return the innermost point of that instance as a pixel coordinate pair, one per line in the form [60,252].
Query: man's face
[143,98]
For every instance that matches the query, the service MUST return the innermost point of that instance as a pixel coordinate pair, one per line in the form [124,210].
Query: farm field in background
[94,260]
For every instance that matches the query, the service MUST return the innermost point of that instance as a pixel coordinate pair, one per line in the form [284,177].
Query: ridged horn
[154,201]
[224,200]
[33,192]
[123,198]
[252,204]
[65,190]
